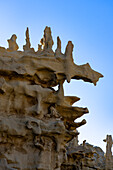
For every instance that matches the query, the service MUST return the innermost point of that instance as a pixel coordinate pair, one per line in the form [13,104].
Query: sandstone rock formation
[38,128]
[12,43]
[108,156]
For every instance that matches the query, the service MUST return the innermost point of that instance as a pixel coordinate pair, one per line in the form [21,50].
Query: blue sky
[89,25]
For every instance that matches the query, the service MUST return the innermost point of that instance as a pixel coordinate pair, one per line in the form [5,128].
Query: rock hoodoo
[38,128]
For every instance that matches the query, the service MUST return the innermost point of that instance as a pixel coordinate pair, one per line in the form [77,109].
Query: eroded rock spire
[27,46]
[47,40]
[58,50]
[13,46]
[108,156]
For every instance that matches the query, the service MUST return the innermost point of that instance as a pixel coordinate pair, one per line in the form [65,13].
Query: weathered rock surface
[37,123]
[85,157]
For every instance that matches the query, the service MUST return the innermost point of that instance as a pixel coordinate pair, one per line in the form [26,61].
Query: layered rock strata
[37,122]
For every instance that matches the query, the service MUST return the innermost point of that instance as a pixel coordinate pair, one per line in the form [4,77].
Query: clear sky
[89,25]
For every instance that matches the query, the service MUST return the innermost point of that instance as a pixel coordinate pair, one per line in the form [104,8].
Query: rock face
[84,157]
[38,128]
